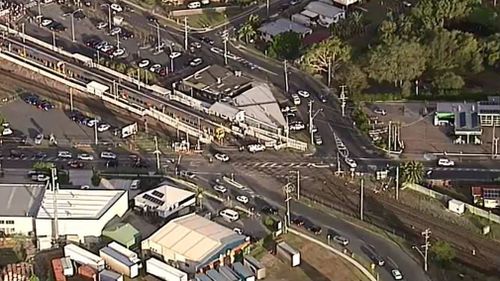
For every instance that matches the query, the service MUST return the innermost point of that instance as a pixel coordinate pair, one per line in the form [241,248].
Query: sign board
[129,130]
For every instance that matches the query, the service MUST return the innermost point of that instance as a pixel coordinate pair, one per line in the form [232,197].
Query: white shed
[96,88]
[456,206]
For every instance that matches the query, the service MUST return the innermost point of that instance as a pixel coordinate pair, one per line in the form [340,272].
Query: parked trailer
[216,276]
[288,253]
[119,262]
[84,257]
[244,272]
[165,271]
[58,270]
[257,268]
[202,277]
[456,206]
[67,265]
[131,255]
[109,275]
[229,273]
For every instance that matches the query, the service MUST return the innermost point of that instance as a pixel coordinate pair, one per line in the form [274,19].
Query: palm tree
[412,172]
[356,19]
[247,31]
[253,20]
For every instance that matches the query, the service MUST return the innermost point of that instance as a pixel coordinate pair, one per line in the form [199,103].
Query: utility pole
[389,136]
[288,190]
[24,39]
[286,77]
[427,235]
[118,41]
[225,37]
[329,72]
[298,185]
[397,183]
[494,143]
[71,99]
[361,203]
[311,119]
[95,131]
[157,153]
[55,189]
[138,79]
[185,34]
[158,36]
[343,99]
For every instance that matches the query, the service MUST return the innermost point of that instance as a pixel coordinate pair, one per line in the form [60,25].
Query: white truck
[165,271]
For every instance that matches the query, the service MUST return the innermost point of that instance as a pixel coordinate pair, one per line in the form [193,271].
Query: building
[193,242]
[486,196]
[80,213]
[271,29]
[19,204]
[489,111]
[346,2]
[227,111]
[108,275]
[165,200]
[464,118]
[327,14]
[123,233]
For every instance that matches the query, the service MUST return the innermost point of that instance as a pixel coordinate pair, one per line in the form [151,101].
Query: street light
[73,23]
[158,35]
[311,118]
[109,14]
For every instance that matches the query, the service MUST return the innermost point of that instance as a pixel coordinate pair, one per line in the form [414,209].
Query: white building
[165,200]
[327,13]
[269,30]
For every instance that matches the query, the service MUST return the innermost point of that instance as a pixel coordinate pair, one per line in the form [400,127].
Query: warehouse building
[193,243]
[165,200]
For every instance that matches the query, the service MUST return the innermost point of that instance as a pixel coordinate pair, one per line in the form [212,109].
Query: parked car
[341,240]
[101,25]
[445,162]
[7,131]
[115,30]
[64,154]
[76,164]
[350,162]
[16,154]
[135,184]
[316,230]
[221,157]
[303,93]
[85,157]
[317,139]
[195,62]
[46,22]
[256,147]
[396,274]
[103,127]
[220,188]
[242,199]
[108,155]
[116,8]
[174,55]
[39,139]
[187,174]
[380,111]
[298,221]
[144,63]
[297,126]
[155,68]
[296,99]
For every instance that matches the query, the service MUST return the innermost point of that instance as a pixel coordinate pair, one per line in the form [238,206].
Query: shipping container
[284,251]
[214,275]
[131,255]
[67,265]
[119,262]
[109,275]
[87,272]
[84,257]
[202,277]
[164,271]
[229,273]
[257,268]
[58,270]
[244,272]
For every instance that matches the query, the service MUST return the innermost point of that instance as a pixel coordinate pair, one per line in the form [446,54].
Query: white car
[41,178]
[220,188]
[175,55]
[380,111]
[46,22]
[242,199]
[39,139]
[196,62]
[194,5]
[303,93]
[318,140]
[106,48]
[445,162]
[155,67]
[103,127]
[85,187]
[116,7]
[143,63]
[297,126]
[64,154]
[7,132]
[119,52]
[135,184]
[256,147]
[108,155]
[407,4]
[115,31]
[296,99]
[238,230]
[102,25]
[350,162]
[196,45]
[341,240]
[85,157]
[221,157]
[92,123]
[397,274]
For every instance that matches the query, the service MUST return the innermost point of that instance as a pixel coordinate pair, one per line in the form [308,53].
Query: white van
[194,5]
[229,214]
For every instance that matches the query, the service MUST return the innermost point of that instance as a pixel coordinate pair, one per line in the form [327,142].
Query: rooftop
[116,255]
[456,107]
[224,109]
[467,121]
[283,25]
[78,203]
[163,197]
[491,106]
[217,80]
[194,237]
[323,9]
[20,199]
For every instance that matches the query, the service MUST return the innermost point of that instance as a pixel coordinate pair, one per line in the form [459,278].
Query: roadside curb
[352,261]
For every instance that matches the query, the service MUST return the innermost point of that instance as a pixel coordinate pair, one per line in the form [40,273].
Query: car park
[221,157]
[445,162]
[144,63]
[242,199]
[39,139]
[350,162]
[108,155]
[256,147]
[396,274]
[303,93]
[64,154]
[296,99]
[220,188]
[195,62]
[341,240]
[101,25]
[85,157]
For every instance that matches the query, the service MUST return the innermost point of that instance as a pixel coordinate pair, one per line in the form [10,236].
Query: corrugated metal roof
[283,25]
[116,255]
[323,9]
[20,199]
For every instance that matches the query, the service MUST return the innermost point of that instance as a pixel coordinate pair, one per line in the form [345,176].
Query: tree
[120,67]
[330,53]
[412,172]
[43,166]
[442,253]
[448,82]
[131,72]
[437,13]
[491,50]
[387,31]
[397,62]
[247,32]
[285,46]
[353,77]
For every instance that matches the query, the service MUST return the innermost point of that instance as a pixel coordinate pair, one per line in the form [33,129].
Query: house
[271,29]
[486,196]
[328,14]
[165,200]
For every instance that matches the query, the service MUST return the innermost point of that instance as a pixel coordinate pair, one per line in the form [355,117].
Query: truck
[67,266]
[84,257]
[165,271]
[287,253]
[119,262]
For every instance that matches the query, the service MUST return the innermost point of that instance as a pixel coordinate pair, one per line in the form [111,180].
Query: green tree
[330,53]
[443,253]
[387,31]
[246,32]
[412,172]
[285,46]
[353,77]
[397,62]
[43,166]
[437,13]
[121,67]
[491,50]
[448,82]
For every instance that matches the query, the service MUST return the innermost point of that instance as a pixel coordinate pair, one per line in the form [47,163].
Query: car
[107,48]
[79,15]
[316,230]
[108,155]
[45,105]
[294,2]
[318,140]
[407,4]
[238,230]
[396,274]
[87,3]
[40,155]
[269,210]
[46,22]
[298,221]
[118,52]
[115,30]
[207,40]
[85,187]
[174,55]
[76,164]
[221,157]
[101,25]
[242,199]
[256,147]
[91,123]
[323,98]
[144,63]
[296,126]
[195,62]
[155,67]
[126,34]
[341,240]
[135,184]
[194,5]
[152,19]
[196,45]
[57,27]
[303,93]
[39,139]
[220,188]
[314,129]
[103,127]
[445,162]
[290,115]
[187,174]
[380,111]
[31,99]
[116,7]
[296,99]
[85,156]
[64,154]
[40,178]
[7,132]
[350,162]
[16,154]
[101,44]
